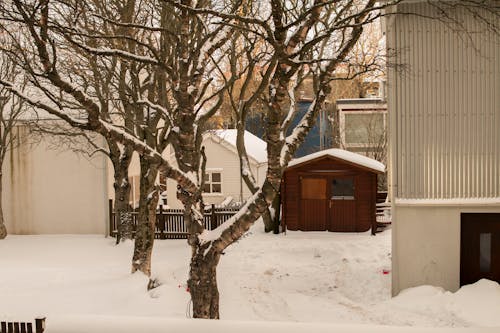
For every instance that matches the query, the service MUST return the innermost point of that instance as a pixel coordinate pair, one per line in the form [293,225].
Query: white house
[223,180]
[49,189]
[445,149]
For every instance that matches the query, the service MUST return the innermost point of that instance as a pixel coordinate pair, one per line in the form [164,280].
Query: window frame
[342,125]
[210,182]
[343,197]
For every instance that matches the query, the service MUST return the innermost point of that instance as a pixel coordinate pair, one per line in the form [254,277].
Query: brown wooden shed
[334,190]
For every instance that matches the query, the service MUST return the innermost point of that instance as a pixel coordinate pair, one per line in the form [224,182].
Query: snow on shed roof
[342,155]
[256,147]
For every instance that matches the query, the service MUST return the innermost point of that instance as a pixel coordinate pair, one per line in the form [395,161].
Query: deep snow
[305,277]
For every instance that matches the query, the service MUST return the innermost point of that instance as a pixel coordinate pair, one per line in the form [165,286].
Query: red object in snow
[385,271]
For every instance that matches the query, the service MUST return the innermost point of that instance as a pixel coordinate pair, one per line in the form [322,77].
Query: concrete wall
[426,244]
[48,191]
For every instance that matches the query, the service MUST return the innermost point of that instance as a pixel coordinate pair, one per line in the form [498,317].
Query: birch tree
[11,109]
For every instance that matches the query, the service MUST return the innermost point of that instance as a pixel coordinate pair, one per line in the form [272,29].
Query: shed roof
[256,147]
[343,155]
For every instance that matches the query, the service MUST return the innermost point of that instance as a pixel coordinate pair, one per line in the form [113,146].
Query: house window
[213,182]
[365,129]
[485,252]
[343,188]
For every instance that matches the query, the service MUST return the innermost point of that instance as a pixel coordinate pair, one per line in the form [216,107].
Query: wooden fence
[170,222]
[19,327]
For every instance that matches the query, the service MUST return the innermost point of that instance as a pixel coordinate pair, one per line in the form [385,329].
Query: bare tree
[185,43]
[11,109]
[167,84]
[194,51]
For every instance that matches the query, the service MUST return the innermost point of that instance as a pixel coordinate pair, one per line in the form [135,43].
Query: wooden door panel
[342,215]
[313,215]
[313,188]
[313,204]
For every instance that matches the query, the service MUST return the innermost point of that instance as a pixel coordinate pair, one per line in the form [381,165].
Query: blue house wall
[319,136]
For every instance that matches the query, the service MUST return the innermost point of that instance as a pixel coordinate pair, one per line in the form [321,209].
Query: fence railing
[170,222]
[22,327]
[383,212]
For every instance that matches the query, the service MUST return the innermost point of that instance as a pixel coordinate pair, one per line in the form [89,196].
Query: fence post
[110,211]
[213,219]
[161,223]
[39,325]
[3,326]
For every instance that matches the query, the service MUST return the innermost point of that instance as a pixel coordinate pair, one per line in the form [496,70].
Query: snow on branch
[299,133]
[185,179]
[158,108]
[41,105]
[225,228]
[105,51]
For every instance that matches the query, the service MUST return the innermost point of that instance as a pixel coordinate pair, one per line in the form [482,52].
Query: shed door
[342,204]
[479,247]
[313,204]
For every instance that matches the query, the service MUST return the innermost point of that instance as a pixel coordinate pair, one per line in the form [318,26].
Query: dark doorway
[479,247]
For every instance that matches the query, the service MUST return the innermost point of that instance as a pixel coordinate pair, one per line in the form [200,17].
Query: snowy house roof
[344,155]
[256,147]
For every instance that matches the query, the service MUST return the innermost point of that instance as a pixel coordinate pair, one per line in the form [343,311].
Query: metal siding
[447,109]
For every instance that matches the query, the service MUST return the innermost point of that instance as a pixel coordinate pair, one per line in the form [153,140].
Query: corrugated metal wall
[446,108]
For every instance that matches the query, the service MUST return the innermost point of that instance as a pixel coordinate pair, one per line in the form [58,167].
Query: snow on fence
[170,222]
[20,327]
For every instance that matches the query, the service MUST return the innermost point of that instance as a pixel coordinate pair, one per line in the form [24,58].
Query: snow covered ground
[298,277]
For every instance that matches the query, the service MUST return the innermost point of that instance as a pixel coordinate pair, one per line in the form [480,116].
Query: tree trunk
[123,215]
[272,220]
[3,230]
[146,219]
[276,204]
[120,158]
[202,284]
[268,220]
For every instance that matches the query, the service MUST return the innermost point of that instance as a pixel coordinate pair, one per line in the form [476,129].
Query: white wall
[426,244]
[50,191]
[221,156]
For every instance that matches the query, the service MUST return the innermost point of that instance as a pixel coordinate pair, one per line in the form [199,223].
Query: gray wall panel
[446,104]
